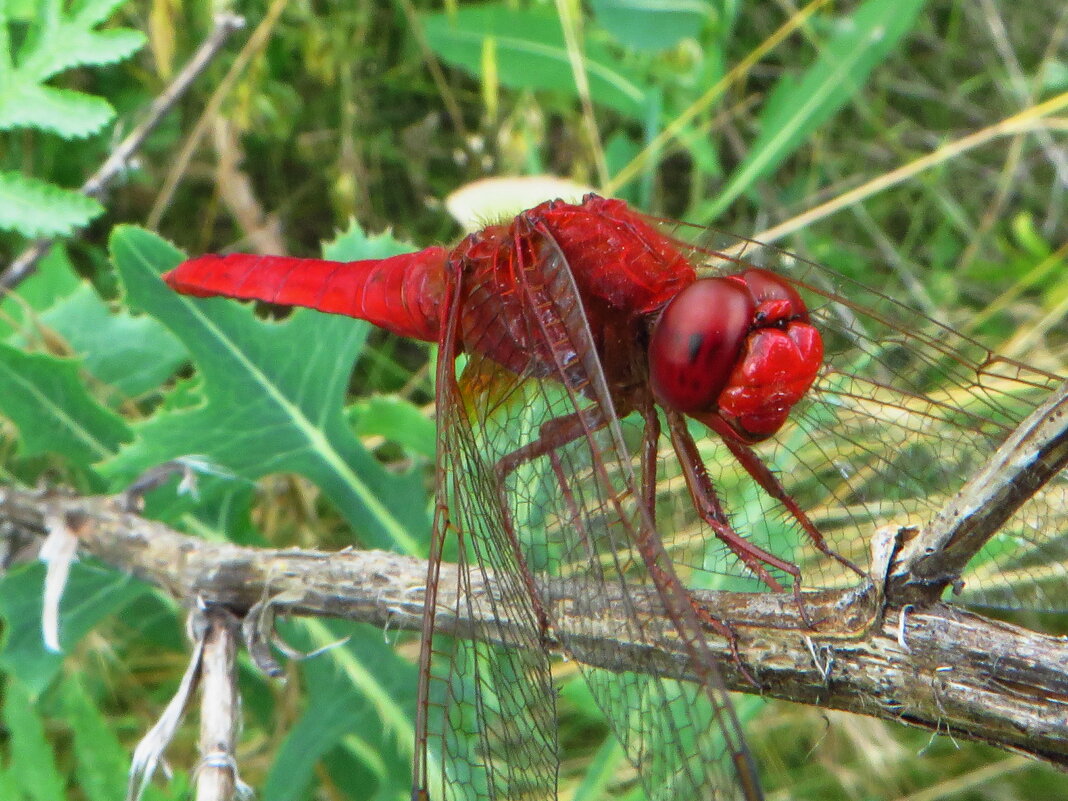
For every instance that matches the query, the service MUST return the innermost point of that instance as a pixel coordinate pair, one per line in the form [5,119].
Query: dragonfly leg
[553,435]
[707,504]
[770,484]
[572,505]
[650,449]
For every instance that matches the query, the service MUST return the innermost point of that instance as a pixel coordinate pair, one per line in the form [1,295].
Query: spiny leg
[770,484]
[553,435]
[650,449]
[706,502]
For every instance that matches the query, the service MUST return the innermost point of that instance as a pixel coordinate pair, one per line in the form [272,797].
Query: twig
[219,708]
[1036,451]
[255,44]
[963,674]
[225,25]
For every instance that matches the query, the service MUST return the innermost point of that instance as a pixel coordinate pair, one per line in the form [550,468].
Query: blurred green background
[917,146]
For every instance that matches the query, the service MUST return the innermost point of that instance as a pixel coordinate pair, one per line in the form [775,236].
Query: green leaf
[797,107]
[531,53]
[354,243]
[652,24]
[132,354]
[609,761]
[397,420]
[359,688]
[273,395]
[46,400]
[33,207]
[101,760]
[91,594]
[60,39]
[53,280]
[33,765]
[8,789]
[64,112]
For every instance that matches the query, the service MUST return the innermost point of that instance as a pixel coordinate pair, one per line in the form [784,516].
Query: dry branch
[1035,452]
[219,708]
[942,668]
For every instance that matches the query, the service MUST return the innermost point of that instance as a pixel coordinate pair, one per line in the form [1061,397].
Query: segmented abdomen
[401,294]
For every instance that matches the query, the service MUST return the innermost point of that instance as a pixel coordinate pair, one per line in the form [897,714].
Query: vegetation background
[924,143]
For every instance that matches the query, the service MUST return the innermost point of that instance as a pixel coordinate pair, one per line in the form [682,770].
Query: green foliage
[37,208]
[104,372]
[53,39]
[290,378]
[133,355]
[528,51]
[652,26]
[58,39]
[397,420]
[798,106]
[92,595]
[357,717]
[32,767]
[49,402]
[102,761]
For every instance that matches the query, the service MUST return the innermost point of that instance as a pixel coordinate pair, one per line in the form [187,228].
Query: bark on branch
[941,668]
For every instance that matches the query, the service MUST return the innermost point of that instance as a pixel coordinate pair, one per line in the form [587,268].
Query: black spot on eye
[696,341]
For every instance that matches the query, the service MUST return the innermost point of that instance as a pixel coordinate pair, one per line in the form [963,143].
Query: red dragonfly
[583,331]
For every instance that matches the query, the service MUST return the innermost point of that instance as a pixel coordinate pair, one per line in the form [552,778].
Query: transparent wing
[490,706]
[904,412]
[542,489]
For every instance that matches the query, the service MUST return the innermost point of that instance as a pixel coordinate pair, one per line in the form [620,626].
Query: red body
[738,348]
[596,299]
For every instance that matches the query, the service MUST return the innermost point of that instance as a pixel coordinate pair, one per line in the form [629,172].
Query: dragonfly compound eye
[739,349]
[696,342]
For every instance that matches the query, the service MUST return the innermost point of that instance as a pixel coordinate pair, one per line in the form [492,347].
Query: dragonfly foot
[731,636]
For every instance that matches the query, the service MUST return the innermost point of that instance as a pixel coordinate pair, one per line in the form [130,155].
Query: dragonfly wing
[488,710]
[905,411]
[573,512]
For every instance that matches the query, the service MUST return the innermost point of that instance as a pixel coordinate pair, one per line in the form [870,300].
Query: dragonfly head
[738,349]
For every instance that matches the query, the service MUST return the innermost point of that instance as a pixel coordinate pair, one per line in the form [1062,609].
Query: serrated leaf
[59,39]
[798,106]
[397,420]
[53,279]
[531,53]
[70,114]
[48,403]
[92,12]
[132,354]
[88,48]
[33,765]
[37,208]
[354,243]
[273,399]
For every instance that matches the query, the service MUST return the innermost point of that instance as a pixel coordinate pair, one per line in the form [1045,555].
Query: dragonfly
[627,406]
